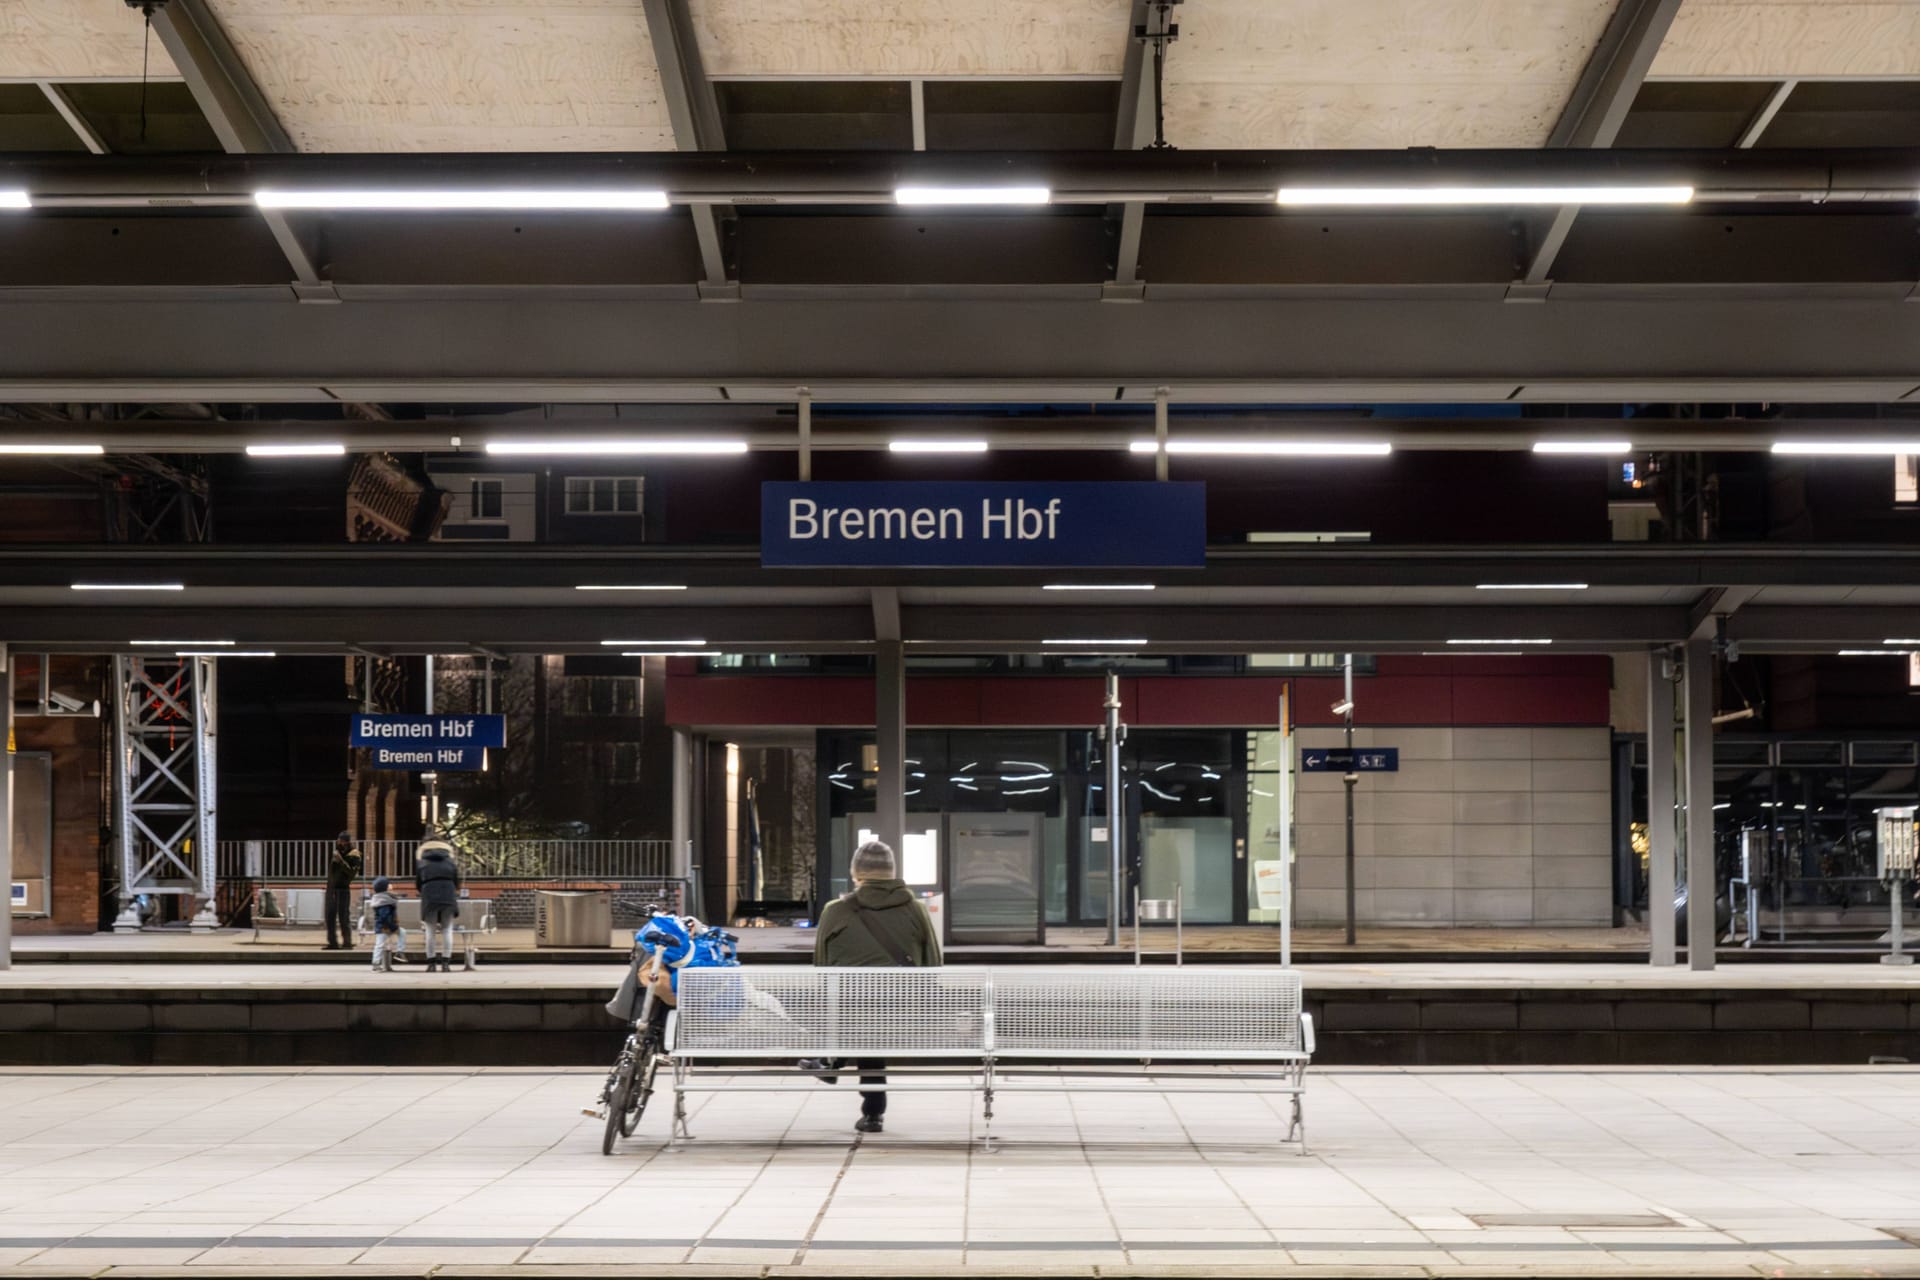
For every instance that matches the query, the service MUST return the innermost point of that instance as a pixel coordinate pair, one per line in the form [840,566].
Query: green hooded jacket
[842,941]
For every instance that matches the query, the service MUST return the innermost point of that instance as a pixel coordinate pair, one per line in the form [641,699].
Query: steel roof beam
[1600,103]
[238,112]
[694,109]
[1672,345]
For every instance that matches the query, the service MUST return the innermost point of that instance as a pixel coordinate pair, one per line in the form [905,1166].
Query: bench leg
[1297,1131]
[680,1073]
[986,1095]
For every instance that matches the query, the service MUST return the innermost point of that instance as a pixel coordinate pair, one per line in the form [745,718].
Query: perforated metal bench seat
[996,1030]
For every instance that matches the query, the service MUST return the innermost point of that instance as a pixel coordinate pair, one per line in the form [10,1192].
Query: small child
[386,926]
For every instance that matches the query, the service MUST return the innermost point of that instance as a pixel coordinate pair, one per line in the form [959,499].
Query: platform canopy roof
[782,262]
[529,599]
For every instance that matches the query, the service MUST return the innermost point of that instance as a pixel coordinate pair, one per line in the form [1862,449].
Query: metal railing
[479,859]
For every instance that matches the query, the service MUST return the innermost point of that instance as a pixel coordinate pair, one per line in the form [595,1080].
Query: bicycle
[630,1083]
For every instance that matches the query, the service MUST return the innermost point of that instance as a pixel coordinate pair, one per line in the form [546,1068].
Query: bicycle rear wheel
[642,1090]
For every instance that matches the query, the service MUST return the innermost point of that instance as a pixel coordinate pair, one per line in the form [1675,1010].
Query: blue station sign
[986,524]
[428,743]
[1359,760]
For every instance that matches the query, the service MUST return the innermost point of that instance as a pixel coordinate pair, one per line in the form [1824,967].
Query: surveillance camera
[1343,707]
[73,706]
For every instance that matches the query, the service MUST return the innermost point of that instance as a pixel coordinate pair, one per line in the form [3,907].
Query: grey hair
[874,860]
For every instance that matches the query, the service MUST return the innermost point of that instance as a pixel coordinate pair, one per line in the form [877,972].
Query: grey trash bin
[572,918]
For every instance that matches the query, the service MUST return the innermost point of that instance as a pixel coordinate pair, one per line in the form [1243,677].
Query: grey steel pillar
[1697,729]
[890,735]
[1116,811]
[1348,780]
[681,833]
[6,805]
[1661,814]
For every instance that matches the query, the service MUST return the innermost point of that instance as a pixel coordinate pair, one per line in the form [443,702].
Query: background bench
[995,1030]
[475,919]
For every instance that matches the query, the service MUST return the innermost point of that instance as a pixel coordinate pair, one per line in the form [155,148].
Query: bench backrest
[303,906]
[789,1011]
[475,913]
[1154,1011]
[1090,1011]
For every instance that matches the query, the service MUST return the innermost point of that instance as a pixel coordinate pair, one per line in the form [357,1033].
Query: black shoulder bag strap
[887,944]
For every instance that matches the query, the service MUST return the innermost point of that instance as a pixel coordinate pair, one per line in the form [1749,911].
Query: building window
[486,500]
[603,495]
[601,696]
[1906,479]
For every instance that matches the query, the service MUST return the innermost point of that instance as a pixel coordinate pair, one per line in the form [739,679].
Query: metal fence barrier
[479,859]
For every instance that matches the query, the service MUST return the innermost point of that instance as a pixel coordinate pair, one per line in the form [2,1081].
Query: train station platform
[1413,1173]
[506,1013]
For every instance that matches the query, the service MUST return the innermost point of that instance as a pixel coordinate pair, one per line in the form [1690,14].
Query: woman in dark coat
[437,876]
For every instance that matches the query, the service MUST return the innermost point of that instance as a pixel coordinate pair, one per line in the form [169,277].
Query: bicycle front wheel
[619,1098]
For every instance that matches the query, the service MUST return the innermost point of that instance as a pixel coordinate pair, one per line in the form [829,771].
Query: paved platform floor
[1430,1172]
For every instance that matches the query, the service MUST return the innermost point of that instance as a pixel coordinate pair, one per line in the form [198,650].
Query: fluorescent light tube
[129,586]
[1900,640]
[637,586]
[670,653]
[225,653]
[427,200]
[12,199]
[1847,448]
[1529,586]
[182,644]
[615,448]
[1875,653]
[1098,586]
[936,446]
[1135,641]
[1483,195]
[971,195]
[1507,641]
[1270,448]
[654,644]
[296,450]
[53,450]
[1602,447]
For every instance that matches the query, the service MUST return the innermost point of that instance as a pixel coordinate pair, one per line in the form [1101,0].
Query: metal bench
[300,908]
[475,919]
[995,1030]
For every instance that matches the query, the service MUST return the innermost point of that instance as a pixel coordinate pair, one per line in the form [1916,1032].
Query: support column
[1697,729]
[681,833]
[6,805]
[1660,812]
[890,735]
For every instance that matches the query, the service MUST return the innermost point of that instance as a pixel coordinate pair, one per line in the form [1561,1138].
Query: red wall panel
[1425,691]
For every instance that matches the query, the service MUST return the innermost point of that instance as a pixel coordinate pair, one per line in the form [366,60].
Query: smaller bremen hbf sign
[1358,760]
[429,743]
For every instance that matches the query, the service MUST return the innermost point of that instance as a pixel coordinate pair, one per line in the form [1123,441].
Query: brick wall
[1480,826]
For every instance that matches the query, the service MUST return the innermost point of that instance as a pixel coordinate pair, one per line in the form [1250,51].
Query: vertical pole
[204,688]
[1697,689]
[890,736]
[1286,826]
[1160,434]
[681,831]
[1349,779]
[1897,932]
[1661,814]
[432,777]
[805,414]
[1116,811]
[6,802]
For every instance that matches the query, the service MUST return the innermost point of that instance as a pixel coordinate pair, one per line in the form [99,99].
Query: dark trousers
[873,1102]
[336,908]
